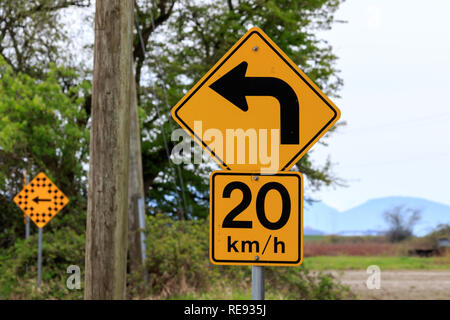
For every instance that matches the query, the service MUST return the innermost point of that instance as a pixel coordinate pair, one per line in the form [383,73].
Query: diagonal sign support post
[256,114]
[27,218]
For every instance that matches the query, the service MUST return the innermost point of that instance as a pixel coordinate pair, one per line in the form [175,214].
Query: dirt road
[399,284]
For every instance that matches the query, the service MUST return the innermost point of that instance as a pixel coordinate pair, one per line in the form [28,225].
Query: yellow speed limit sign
[256,219]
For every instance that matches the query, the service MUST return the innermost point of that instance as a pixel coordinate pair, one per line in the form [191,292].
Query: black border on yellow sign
[287,165]
[300,220]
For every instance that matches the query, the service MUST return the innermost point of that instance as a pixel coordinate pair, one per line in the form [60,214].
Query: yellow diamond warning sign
[255,110]
[41,200]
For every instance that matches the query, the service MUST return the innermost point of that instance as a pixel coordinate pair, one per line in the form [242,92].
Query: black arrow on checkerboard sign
[235,86]
[37,200]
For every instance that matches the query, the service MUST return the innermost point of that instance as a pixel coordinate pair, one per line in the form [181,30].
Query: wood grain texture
[107,217]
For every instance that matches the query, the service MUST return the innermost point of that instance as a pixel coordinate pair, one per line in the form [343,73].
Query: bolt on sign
[256,219]
[41,200]
[255,110]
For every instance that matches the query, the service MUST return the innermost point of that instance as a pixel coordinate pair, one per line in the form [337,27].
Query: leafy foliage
[180,51]
[32,36]
[178,264]
[184,39]
[441,231]
[42,128]
[177,252]
[60,249]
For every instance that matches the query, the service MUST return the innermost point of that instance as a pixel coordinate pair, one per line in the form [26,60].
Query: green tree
[42,128]
[182,42]
[181,51]
[32,35]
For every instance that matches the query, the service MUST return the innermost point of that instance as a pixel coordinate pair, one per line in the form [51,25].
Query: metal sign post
[257,283]
[39,267]
[27,227]
[27,218]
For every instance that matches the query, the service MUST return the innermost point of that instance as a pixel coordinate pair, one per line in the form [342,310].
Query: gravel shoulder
[398,284]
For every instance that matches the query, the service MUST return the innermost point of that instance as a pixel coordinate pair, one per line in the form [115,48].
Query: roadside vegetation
[177,267]
[323,263]
[359,252]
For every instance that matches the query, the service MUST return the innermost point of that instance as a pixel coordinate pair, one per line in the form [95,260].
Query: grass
[313,238]
[386,263]
[227,291]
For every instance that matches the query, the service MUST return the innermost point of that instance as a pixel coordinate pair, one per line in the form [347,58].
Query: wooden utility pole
[107,216]
[136,183]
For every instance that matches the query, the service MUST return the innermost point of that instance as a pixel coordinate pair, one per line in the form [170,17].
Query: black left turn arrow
[37,200]
[235,86]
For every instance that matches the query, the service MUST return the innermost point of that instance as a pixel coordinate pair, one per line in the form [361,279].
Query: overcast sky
[395,62]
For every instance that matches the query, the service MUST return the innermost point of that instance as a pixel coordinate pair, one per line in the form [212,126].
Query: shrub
[178,264]
[60,249]
[177,255]
[300,283]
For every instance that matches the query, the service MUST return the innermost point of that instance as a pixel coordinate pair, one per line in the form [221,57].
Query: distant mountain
[360,233]
[320,216]
[307,231]
[367,218]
